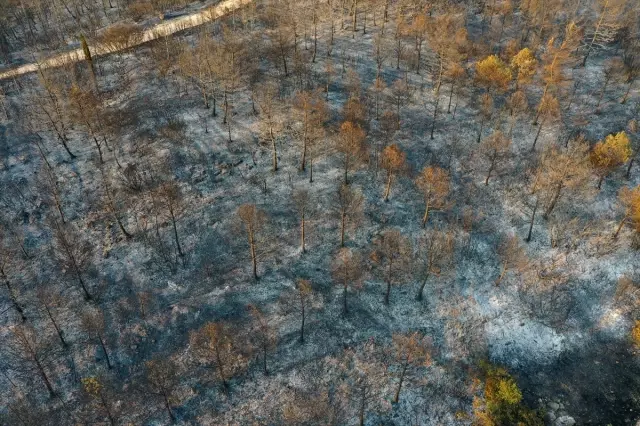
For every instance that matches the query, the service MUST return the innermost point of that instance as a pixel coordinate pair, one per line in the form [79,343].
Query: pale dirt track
[160,30]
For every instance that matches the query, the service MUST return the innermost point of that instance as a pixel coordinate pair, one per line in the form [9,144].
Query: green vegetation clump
[501,401]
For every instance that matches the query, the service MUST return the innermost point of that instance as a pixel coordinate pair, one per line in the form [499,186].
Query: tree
[262,336]
[351,146]
[494,150]
[51,302]
[11,291]
[215,344]
[31,352]
[433,183]
[93,324]
[171,197]
[361,379]
[378,87]
[400,96]
[281,35]
[85,109]
[411,351]
[434,257]
[302,201]
[311,111]
[394,162]
[73,253]
[512,255]
[613,68]
[562,171]
[253,220]
[392,256]
[348,206]
[524,65]
[271,125]
[493,74]
[518,105]
[548,110]
[609,154]
[111,204]
[557,58]
[348,272]
[486,112]
[303,300]
[629,200]
[162,379]
[94,388]
[605,28]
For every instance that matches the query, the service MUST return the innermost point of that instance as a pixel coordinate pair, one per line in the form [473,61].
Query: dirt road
[160,30]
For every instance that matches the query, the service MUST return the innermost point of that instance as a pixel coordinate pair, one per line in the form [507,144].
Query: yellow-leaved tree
[493,74]
[606,155]
[524,65]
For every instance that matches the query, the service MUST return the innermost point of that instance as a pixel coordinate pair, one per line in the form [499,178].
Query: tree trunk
[55,325]
[363,404]
[426,215]
[435,109]
[533,218]
[43,375]
[303,318]
[388,187]
[554,200]
[388,293]
[404,370]
[344,297]
[450,97]
[493,163]
[264,360]
[12,296]
[533,147]
[622,222]
[343,217]
[175,232]
[419,296]
[106,354]
[302,234]
[168,407]
[275,151]
[252,248]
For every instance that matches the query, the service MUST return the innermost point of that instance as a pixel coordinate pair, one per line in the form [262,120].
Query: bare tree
[162,380]
[262,336]
[303,204]
[5,256]
[392,256]
[562,171]
[95,389]
[434,257]
[348,205]
[73,252]
[271,124]
[253,220]
[494,150]
[303,300]
[170,195]
[411,351]
[31,353]
[394,162]
[513,257]
[94,325]
[348,272]
[217,345]
[351,145]
[433,183]
[311,111]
